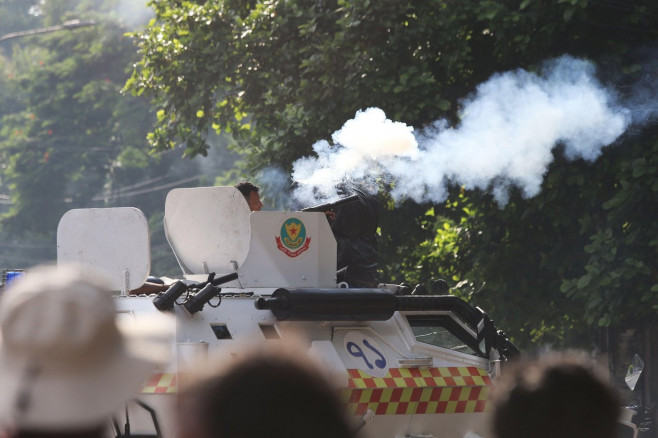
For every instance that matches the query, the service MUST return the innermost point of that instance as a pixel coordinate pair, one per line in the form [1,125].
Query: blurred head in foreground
[66,362]
[559,395]
[270,391]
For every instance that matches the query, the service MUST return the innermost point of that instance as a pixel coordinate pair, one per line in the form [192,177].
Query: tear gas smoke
[507,131]
[134,14]
[275,185]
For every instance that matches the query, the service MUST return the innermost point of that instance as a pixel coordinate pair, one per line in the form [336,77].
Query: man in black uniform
[355,229]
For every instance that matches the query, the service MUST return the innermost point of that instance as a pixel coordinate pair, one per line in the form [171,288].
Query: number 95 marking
[366,354]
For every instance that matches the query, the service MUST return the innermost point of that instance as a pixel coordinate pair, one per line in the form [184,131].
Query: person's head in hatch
[250,193]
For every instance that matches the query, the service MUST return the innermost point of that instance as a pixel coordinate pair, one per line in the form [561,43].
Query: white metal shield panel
[290,249]
[114,240]
[207,228]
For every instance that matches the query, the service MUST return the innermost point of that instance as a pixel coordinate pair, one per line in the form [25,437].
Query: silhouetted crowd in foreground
[557,395]
[67,364]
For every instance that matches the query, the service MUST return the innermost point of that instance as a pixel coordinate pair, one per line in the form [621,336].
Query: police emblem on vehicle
[292,240]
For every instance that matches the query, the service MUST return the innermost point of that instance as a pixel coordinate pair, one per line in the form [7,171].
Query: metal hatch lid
[208,228]
[114,240]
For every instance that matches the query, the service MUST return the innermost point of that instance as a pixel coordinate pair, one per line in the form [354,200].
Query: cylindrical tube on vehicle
[164,301]
[330,304]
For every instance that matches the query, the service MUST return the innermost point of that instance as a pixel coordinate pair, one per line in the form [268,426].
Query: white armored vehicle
[405,365]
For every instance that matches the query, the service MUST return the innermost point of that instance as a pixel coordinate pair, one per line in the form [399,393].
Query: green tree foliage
[68,137]
[280,75]
[618,282]
[18,15]
[62,145]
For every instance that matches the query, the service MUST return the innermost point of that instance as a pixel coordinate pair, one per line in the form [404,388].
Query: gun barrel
[331,205]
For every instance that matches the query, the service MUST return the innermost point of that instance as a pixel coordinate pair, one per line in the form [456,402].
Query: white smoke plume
[134,14]
[275,188]
[507,131]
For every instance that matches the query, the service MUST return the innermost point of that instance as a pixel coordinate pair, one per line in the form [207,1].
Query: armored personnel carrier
[405,365]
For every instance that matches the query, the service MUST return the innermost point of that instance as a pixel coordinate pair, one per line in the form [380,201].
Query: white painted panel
[114,240]
[309,261]
[207,228]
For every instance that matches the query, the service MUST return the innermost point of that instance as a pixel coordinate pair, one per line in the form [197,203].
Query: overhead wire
[4,199]
[148,190]
[142,183]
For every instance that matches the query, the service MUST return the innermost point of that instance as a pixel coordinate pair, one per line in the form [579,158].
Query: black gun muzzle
[331,205]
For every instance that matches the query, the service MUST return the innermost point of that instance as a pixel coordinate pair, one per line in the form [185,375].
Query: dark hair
[270,395]
[246,188]
[556,395]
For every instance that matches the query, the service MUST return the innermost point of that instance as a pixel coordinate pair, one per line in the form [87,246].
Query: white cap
[66,361]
